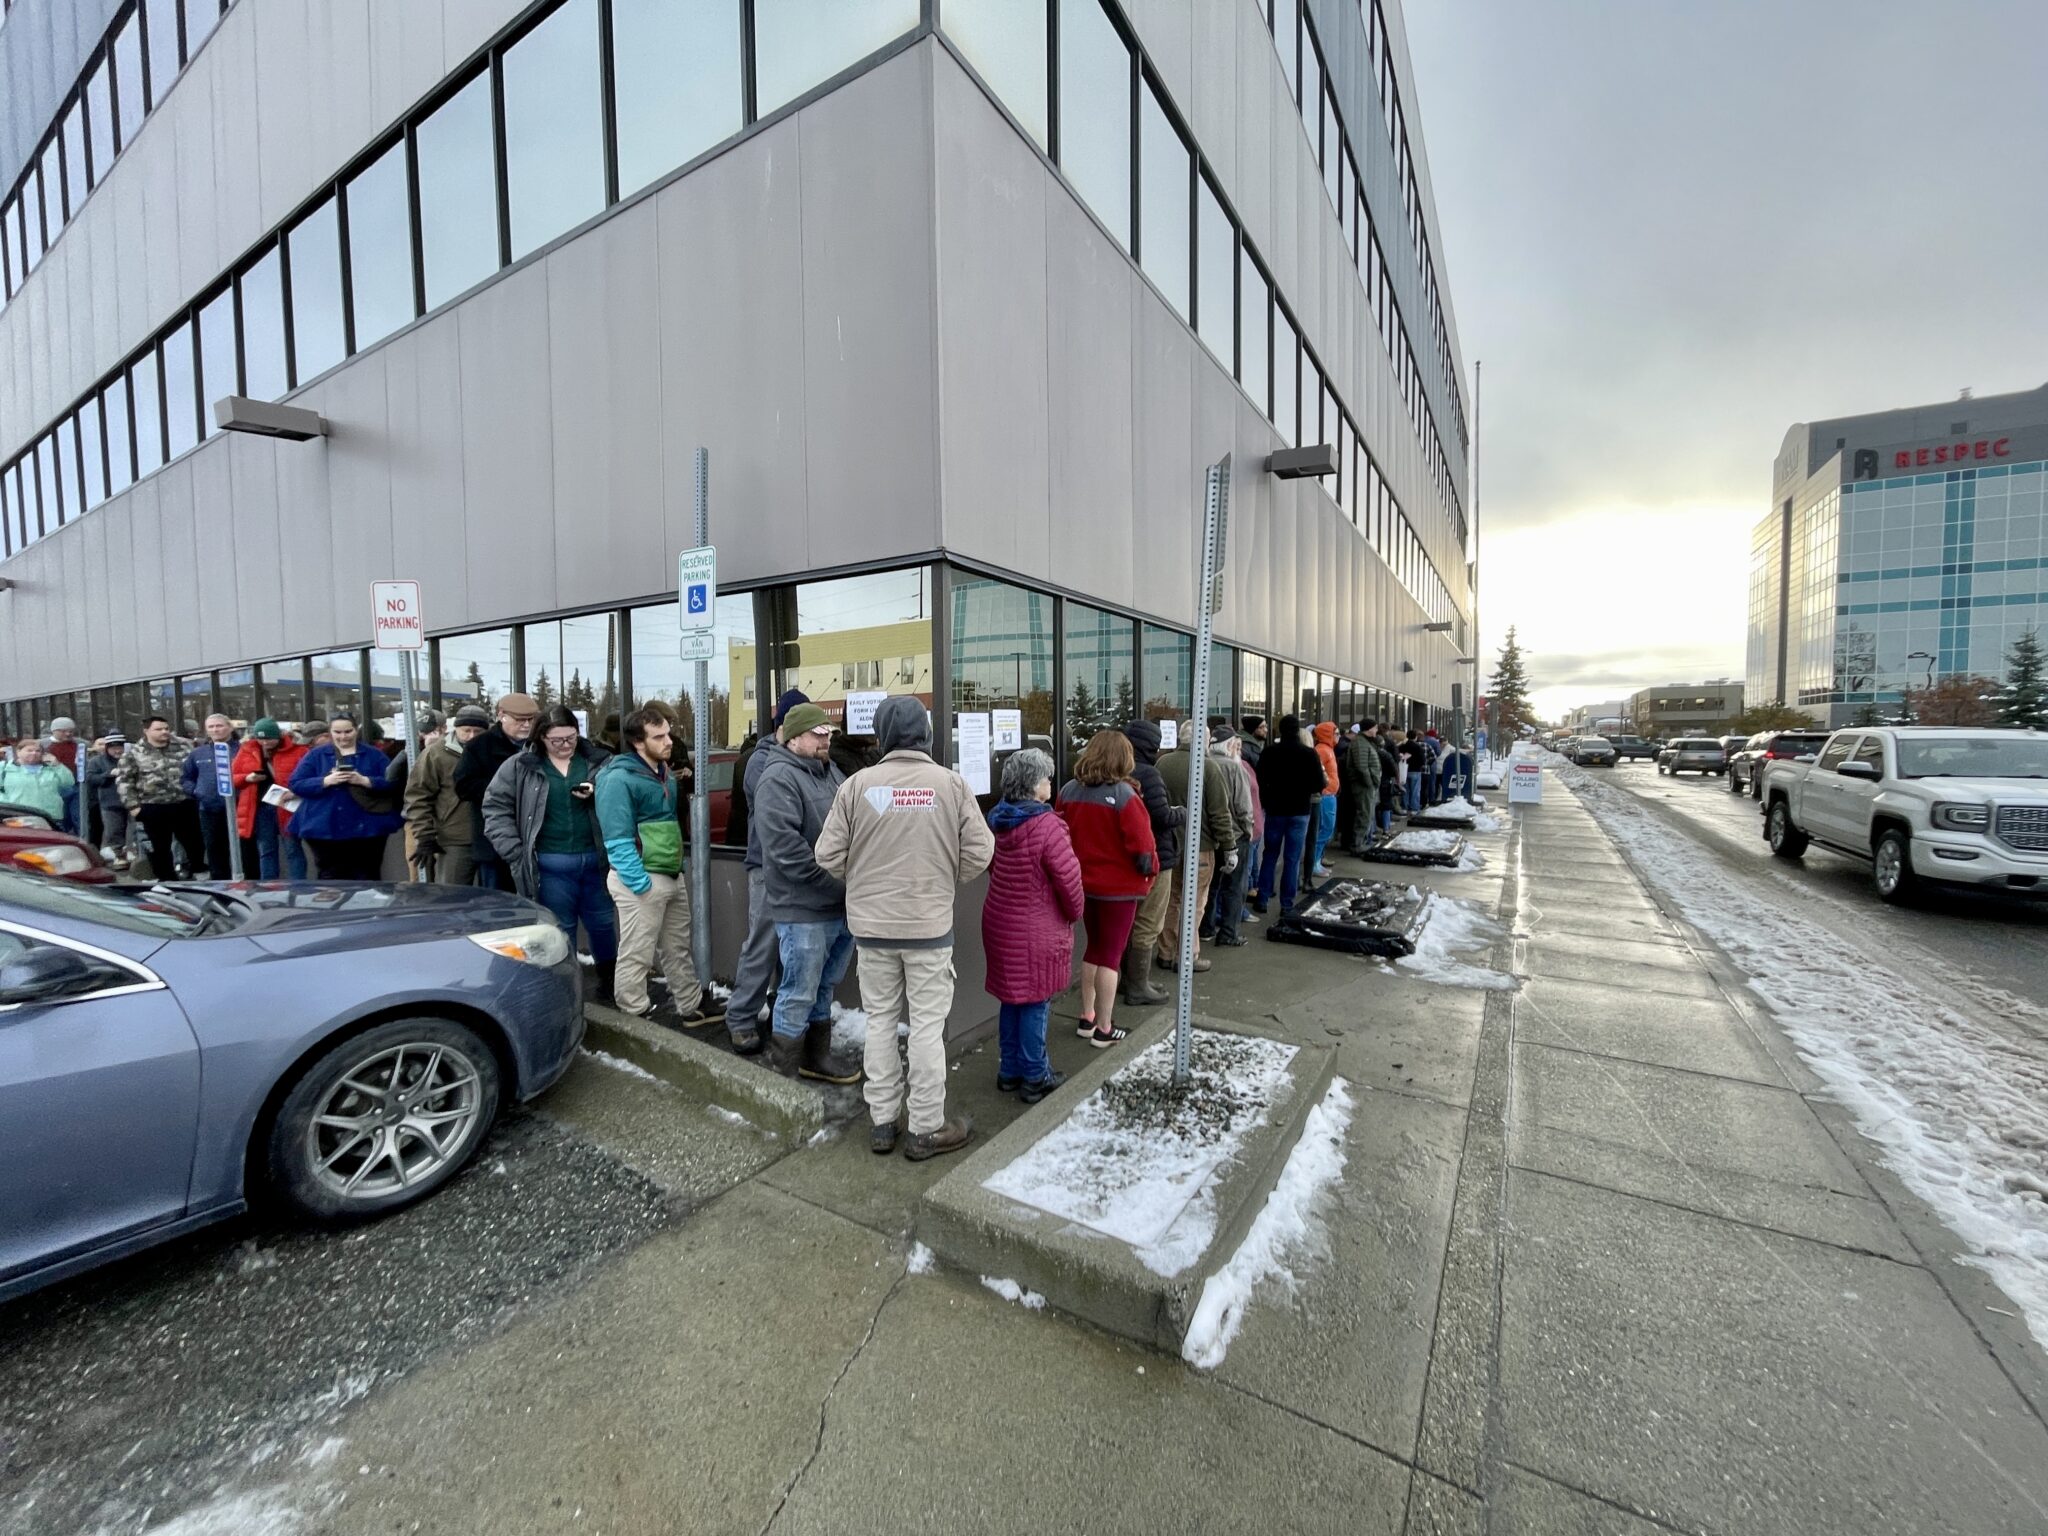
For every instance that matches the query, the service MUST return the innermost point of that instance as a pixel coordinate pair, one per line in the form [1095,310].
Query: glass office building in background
[1904,546]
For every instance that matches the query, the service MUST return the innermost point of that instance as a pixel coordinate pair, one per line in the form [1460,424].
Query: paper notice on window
[860,712]
[973,735]
[1169,735]
[1009,730]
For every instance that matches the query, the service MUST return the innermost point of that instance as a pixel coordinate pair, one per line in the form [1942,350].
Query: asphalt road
[1992,939]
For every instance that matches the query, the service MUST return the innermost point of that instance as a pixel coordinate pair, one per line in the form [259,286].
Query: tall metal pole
[700,801]
[409,731]
[1478,645]
[1208,598]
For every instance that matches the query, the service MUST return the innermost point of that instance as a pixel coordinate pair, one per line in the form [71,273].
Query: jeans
[294,854]
[267,839]
[70,823]
[1020,1038]
[1230,891]
[1386,817]
[1414,792]
[814,961]
[1284,838]
[1432,793]
[572,887]
[1326,827]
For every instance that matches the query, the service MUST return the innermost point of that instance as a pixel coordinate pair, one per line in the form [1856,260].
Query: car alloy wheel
[1891,867]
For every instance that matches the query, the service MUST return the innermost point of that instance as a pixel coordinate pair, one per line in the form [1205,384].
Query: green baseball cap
[266,729]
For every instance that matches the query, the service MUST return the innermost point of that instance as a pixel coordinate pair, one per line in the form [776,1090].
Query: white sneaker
[1322,872]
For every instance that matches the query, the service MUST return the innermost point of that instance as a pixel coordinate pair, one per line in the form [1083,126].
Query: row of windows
[1077,83]
[124,79]
[587,102]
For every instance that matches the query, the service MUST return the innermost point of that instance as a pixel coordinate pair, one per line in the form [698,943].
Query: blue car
[169,1054]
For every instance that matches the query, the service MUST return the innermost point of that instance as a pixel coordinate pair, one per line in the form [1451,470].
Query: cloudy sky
[1675,227]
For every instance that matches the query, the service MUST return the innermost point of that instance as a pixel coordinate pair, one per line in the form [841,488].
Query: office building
[1685,709]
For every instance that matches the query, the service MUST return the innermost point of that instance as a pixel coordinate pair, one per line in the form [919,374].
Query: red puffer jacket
[1034,900]
[248,759]
[1112,838]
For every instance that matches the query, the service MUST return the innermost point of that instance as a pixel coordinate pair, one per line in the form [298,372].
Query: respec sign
[1953,453]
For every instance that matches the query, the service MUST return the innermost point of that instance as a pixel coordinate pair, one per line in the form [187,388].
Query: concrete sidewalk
[1596,1265]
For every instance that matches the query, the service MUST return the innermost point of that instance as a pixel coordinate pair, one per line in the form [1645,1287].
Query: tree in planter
[1961,698]
[1773,716]
[2023,701]
[1509,689]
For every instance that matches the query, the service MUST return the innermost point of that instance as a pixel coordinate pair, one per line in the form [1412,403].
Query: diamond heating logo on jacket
[887,797]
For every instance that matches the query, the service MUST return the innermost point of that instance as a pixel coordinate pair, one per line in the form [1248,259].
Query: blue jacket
[197,774]
[332,811]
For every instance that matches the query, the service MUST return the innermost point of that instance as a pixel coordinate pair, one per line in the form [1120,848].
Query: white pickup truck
[1925,804]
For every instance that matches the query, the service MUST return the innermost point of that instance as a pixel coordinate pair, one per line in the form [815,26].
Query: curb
[793,1111]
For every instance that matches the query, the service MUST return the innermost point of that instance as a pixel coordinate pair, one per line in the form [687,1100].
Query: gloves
[1230,861]
[425,848]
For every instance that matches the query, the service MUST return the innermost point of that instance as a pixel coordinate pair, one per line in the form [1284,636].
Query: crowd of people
[853,846]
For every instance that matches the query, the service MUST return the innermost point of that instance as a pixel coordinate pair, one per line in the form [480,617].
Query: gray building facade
[961,296]
[1902,547]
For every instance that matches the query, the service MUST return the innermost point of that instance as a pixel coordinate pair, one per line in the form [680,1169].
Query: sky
[1672,229]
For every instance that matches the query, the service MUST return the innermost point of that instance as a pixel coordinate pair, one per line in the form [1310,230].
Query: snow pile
[620,1064]
[1460,808]
[1136,1163]
[1010,1290]
[1425,841]
[1287,1226]
[1451,927]
[1959,1111]
[257,1512]
[922,1261]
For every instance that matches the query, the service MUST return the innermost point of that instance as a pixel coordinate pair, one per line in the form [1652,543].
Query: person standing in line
[37,782]
[258,822]
[1167,821]
[305,736]
[103,792]
[1362,773]
[440,819]
[1035,896]
[635,801]
[61,747]
[759,962]
[1418,759]
[481,760]
[1325,735]
[1252,738]
[1432,760]
[1390,778]
[904,834]
[793,794]
[1246,817]
[151,775]
[1216,848]
[347,840]
[1107,818]
[200,779]
[1290,780]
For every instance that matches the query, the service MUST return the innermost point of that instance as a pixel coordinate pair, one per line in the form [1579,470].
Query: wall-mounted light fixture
[1440,627]
[1303,463]
[238,413]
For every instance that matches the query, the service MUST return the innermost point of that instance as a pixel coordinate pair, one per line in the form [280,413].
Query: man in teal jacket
[636,817]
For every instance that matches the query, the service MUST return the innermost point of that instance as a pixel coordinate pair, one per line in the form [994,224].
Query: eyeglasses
[560,740]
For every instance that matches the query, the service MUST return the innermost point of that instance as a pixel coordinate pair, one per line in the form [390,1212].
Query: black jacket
[1390,775]
[1167,818]
[1290,776]
[481,760]
[736,806]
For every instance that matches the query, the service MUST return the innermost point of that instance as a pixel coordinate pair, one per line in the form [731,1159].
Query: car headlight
[55,859]
[540,944]
[1962,818]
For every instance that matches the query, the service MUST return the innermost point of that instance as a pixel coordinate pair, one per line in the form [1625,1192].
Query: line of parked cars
[1589,751]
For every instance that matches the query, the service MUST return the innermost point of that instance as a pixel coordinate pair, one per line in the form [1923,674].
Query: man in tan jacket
[902,835]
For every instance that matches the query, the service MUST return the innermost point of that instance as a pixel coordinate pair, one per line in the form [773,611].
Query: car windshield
[1698,746]
[133,910]
[1811,743]
[1974,757]
[1593,741]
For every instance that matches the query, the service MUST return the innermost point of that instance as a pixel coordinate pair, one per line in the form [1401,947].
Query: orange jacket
[1326,753]
[248,759]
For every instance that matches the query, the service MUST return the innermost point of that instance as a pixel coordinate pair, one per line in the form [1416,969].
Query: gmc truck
[1926,805]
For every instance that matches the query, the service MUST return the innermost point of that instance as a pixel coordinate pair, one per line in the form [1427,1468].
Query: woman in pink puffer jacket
[1027,924]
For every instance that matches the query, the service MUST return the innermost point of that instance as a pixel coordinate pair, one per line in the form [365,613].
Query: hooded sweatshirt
[903,835]
[1326,753]
[789,798]
[1167,818]
[1290,774]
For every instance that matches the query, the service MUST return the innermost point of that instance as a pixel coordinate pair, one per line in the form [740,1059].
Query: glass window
[53,189]
[91,467]
[282,689]
[129,102]
[263,329]
[64,452]
[1251,676]
[218,374]
[101,716]
[10,524]
[1006,40]
[676,73]
[473,669]
[1163,201]
[380,248]
[149,420]
[181,401]
[99,121]
[161,19]
[1333,150]
[1002,659]
[1254,331]
[1286,354]
[32,216]
[554,128]
[458,193]
[1222,681]
[201,16]
[120,452]
[798,43]
[338,685]
[75,180]
[1095,113]
[319,340]
[1169,673]
[1311,397]
[129,704]
[1215,273]
[1101,652]
[1310,94]
[1287,39]
[52,514]
[238,696]
[194,696]
[659,675]
[861,634]
[575,662]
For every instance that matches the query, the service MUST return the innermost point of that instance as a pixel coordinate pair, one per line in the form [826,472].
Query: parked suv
[1630,748]
[1925,804]
[1746,766]
[1693,754]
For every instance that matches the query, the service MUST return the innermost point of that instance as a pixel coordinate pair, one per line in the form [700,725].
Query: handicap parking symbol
[698,598]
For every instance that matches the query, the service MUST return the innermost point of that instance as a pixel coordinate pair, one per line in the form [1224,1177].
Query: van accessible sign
[395,618]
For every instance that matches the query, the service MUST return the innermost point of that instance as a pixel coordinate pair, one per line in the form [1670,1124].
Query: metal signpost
[398,625]
[696,617]
[1209,598]
[224,781]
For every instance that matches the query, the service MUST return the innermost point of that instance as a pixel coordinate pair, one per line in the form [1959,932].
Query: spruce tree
[2023,701]
[1508,692]
[543,691]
